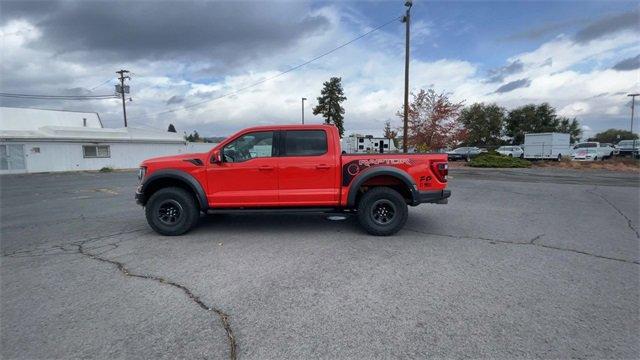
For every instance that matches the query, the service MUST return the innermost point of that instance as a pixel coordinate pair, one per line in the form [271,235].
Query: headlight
[141,172]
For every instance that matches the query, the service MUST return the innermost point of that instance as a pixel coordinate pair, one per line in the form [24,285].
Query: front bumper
[140,198]
[436,197]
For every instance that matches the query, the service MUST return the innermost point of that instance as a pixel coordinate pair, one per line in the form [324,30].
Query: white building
[354,144]
[36,140]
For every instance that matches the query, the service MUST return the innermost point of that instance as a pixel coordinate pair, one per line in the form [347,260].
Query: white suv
[511,151]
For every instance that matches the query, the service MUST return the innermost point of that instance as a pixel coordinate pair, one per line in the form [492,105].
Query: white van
[546,146]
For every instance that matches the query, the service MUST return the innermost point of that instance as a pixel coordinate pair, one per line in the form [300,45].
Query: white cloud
[371,69]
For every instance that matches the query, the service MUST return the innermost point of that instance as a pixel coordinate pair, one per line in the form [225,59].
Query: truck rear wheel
[382,211]
[172,211]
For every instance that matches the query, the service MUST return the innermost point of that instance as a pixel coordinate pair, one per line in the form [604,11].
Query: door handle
[265,168]
[322,166]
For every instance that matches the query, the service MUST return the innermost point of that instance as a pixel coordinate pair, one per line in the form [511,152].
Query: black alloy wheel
[383,211]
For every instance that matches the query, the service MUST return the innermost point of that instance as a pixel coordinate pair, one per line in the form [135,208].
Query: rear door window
[305,143]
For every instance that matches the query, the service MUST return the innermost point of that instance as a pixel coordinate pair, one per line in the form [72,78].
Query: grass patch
[624,164]
[492,159]
[106,169]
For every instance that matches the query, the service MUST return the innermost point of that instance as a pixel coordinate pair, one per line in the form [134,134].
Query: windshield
[628,143]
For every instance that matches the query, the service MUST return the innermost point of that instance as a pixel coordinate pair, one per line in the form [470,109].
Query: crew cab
[289,168]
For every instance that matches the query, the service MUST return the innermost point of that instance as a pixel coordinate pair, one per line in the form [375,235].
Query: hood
[178,157]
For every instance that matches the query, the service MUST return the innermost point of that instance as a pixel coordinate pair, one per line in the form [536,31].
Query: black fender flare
[380,171]
[182,176]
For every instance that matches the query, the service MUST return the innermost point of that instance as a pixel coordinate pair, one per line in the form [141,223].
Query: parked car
[289,168]
[586,154]
[616,150]
[464,153]
[511,151]
[602,150]
[626,147]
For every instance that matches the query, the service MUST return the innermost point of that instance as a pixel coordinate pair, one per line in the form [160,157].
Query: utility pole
[633,105]
[407,20]
[122,91]
[303,99]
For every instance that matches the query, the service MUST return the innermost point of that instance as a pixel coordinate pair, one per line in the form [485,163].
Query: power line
[58,97]
[277,75]
[102,83]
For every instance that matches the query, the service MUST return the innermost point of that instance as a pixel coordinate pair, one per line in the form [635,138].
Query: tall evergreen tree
[329,103]
[171,128]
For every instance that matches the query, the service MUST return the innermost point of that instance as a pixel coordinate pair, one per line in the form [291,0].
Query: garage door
[12,158]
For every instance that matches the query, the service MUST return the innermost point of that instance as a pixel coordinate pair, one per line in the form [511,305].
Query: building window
[386,146]
[96,151]
[361,140]
[361,147]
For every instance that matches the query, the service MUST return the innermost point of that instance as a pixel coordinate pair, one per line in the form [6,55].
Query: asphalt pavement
[534,263]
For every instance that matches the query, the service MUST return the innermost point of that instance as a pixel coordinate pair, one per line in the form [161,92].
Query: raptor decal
[353,168]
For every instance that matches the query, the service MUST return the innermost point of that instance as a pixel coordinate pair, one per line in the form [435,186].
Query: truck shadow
[275,223]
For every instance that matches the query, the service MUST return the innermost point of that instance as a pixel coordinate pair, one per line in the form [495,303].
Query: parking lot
[533,263]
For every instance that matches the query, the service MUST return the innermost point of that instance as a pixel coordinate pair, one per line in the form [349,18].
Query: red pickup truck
[289,168]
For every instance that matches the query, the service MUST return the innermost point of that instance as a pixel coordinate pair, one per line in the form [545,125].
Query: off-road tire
[376,200]
[172,211]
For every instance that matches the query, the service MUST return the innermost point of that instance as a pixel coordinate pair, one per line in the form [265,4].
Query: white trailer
[358,144]
[547,146]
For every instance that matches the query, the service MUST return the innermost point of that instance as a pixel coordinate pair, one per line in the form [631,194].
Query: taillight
[440,170]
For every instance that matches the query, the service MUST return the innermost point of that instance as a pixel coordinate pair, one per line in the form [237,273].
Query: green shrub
[492,159]
[106,169]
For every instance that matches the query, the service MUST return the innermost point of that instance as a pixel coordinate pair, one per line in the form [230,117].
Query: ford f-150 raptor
[289,168]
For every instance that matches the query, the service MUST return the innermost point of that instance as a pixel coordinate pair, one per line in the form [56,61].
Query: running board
[272,210]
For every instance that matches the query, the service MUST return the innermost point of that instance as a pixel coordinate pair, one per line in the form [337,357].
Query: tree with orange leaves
[433,121]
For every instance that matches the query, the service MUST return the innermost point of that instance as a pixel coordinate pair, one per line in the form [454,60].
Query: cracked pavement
[532,263]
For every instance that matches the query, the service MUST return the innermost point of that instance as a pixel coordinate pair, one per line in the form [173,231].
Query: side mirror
[216,158]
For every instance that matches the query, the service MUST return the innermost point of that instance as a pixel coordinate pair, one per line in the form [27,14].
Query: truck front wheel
[172,211]
[382,211]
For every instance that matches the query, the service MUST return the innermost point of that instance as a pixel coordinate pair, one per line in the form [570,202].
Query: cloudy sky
[582,57]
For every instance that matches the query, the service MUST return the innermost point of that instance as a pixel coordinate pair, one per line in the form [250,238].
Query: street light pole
[303,99]
[407,20]
[633,103]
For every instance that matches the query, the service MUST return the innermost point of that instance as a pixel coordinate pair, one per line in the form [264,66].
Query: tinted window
[305,143]
[249,146]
